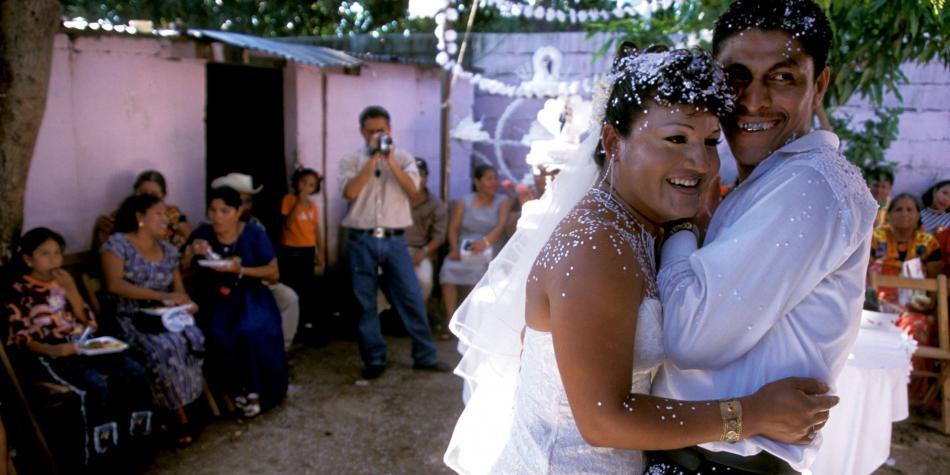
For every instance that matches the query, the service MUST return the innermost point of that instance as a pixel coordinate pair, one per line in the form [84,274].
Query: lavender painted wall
[922,149]
[116,106]
[508,57]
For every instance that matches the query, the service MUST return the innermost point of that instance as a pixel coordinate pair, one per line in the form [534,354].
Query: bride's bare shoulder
[598,243]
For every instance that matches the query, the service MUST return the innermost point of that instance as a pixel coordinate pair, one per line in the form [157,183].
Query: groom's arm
[719,301]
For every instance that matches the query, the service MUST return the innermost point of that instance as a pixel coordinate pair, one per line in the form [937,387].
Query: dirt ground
[398,424]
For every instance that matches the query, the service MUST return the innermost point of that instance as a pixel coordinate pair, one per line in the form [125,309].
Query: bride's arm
[593,296]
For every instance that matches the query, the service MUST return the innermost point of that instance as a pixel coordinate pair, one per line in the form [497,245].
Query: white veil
[490,321]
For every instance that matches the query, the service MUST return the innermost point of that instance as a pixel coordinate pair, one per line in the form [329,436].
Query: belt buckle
[379,233]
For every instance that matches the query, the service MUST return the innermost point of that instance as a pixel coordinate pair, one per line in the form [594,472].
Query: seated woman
[46,318]
[239,314]
[140,269]
[477,223]
[148,182]
[936,212]
[901,240]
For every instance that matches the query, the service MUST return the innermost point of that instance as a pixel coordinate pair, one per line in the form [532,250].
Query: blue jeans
[367,255]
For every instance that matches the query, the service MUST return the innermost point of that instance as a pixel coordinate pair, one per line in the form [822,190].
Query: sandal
[253,406]
[184,439]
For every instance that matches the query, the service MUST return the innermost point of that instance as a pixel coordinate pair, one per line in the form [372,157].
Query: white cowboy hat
[240,182]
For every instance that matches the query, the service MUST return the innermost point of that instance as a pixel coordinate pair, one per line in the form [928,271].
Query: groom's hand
[707,207]
[788,410]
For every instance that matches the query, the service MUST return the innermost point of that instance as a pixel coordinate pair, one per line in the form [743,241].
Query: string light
[448,47]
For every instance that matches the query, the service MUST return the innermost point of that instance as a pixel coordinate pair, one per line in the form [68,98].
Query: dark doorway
[245,124]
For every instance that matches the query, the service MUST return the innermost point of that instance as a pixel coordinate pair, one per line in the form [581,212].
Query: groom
[776,288]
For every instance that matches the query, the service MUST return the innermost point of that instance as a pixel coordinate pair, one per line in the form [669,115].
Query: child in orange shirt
[301,243]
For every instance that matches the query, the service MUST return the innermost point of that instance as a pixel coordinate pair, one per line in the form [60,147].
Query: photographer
[378,181]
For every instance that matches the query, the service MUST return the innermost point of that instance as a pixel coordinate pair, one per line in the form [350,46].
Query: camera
[385,144]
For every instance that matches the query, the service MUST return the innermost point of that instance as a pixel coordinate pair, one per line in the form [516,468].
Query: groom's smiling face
[777,91]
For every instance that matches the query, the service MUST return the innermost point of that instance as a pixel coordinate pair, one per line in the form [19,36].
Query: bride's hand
[787,410]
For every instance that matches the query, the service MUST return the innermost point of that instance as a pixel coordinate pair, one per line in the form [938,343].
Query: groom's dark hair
[802,19]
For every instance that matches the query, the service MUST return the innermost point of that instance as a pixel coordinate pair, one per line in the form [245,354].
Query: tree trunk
[27,28]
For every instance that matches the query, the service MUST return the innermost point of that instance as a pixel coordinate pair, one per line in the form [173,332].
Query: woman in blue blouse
[238,312]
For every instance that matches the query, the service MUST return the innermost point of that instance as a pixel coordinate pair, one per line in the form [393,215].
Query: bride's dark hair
[664,77]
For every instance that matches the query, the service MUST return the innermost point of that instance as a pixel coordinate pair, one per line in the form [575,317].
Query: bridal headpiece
[665,77]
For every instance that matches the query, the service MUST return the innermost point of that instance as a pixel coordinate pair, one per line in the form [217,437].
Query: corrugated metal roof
[418,49]
[318,56]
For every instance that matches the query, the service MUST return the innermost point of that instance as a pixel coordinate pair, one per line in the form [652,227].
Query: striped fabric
[934,220]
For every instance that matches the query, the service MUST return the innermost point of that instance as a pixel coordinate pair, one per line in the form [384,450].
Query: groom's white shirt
[777,288]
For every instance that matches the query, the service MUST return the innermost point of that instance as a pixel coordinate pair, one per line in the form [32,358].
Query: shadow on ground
[400,423]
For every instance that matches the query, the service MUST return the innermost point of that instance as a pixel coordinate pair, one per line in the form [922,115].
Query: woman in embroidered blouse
[46,317]
[902,239]
[936,214]
[140,269]
[239,313]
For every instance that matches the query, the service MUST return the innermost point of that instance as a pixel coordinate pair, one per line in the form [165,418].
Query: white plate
[118,346]
[214,264]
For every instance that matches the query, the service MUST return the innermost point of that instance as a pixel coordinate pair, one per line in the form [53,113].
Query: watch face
[732,436]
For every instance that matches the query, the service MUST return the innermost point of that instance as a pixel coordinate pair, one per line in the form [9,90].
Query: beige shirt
[382,203]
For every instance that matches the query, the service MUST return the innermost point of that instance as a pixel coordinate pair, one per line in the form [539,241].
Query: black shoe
[372,371]
[438,367]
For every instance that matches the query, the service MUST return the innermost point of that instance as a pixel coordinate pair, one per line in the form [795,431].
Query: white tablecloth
[873,391]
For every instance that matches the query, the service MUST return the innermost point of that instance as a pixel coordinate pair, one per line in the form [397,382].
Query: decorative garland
[448,43]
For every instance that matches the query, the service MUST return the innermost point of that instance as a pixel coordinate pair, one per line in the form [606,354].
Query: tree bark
[27,28]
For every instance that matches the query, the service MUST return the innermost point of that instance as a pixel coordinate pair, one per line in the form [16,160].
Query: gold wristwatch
[731,413]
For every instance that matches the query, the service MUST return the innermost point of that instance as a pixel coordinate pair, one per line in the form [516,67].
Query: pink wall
[119,105]
[116,106]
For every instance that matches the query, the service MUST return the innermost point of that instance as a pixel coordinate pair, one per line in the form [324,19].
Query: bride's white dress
[544,437]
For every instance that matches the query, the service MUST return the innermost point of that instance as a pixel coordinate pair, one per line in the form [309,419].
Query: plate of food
[215,263]
[177,320]
[101,346]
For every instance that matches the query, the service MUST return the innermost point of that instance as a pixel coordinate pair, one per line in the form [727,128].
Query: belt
[378,233]
[762,462]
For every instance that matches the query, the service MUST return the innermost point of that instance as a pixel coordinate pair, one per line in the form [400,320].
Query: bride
[563,333]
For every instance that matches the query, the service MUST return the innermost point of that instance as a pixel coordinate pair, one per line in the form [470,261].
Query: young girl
[301,240]
[46,317]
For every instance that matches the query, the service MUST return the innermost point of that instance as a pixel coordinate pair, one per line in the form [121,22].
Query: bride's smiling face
[667,161]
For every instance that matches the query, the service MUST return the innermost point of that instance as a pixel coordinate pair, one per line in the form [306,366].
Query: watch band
[682,226]
[731,413]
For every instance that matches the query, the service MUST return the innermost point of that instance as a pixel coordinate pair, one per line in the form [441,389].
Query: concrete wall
[922,149]
[116,106]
